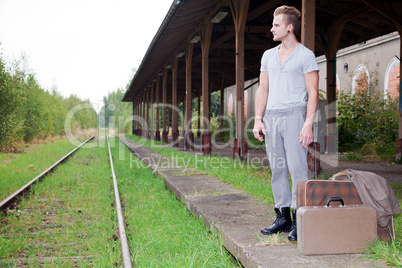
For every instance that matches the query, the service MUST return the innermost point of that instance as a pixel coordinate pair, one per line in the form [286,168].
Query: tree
[115,113]
[27,111]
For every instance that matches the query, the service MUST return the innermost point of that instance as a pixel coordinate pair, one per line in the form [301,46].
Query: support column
[135,114]
[164,100]
[175,127]
[331,137]
[189,137]
[222,134]
[133,123]
[151,136]
[331,140]
[157,132]
[206,35]
[183,111]
[308,24]
[308,40]
[147,111]
[239,10]
[140,119]
[143,121]
[139,112]
[138,125]
[199,113]
[144,126]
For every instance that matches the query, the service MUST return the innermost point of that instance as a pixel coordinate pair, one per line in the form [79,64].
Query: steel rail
[6,202]
[122,231]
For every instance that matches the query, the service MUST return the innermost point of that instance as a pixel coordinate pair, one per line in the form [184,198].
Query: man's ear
[290,28]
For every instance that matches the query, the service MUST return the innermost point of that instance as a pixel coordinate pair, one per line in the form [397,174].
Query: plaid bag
[317,192]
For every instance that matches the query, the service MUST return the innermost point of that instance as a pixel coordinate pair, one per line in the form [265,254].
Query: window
[361,79]
[391,79]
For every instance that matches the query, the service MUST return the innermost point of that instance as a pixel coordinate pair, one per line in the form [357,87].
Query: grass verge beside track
[160,229]
[17,169]
[252,179]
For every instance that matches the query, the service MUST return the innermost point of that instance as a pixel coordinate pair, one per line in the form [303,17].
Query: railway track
[72,218]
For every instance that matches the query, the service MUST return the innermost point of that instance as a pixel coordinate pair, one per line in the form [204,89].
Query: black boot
[281,224]
[293,232]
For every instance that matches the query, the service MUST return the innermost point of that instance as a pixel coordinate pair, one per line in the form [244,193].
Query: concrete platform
[237,217]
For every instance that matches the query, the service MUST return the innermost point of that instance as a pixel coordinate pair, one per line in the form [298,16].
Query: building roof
[364,20]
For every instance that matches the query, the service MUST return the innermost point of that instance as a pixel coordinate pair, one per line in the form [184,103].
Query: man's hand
[259,126]
[306,135]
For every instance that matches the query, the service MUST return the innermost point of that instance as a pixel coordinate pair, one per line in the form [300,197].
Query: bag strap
[338,176]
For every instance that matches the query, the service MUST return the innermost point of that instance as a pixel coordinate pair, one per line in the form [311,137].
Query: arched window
[391,79]
[361,79]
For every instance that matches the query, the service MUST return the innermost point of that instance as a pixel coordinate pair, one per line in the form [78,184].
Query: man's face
[279,28]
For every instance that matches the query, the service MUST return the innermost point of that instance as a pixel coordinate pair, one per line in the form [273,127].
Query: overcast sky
[83,47]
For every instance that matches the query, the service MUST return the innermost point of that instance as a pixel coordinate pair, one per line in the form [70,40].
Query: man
[286,103]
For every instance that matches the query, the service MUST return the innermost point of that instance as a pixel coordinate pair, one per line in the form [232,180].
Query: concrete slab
[238,217]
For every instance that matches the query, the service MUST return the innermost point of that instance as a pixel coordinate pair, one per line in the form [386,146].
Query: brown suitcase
[334,229]
[317,192]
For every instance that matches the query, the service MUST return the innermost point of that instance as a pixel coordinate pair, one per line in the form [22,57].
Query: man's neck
[289,43]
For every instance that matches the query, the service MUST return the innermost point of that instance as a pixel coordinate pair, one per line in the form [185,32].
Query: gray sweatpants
[285,152]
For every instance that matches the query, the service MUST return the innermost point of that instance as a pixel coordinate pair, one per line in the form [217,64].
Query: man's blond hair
[291,16]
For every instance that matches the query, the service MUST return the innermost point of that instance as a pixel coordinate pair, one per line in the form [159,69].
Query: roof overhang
[363,20]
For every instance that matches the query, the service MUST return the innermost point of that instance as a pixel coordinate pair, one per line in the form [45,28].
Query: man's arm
[306,134]
[260,104]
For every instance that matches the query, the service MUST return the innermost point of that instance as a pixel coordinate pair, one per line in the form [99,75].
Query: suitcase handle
[335,199]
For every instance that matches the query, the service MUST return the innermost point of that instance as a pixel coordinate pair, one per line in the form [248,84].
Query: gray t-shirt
[287,86]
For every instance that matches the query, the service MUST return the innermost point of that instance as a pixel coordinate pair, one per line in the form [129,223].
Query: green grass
[161,231]
[255,181]
[17,169]
[390,252]
[252,178]
[70,213]
[351,156]
[384,153]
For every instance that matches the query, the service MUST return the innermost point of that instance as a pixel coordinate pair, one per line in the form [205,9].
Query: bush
[367,118]
[369,149]
[11,115]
